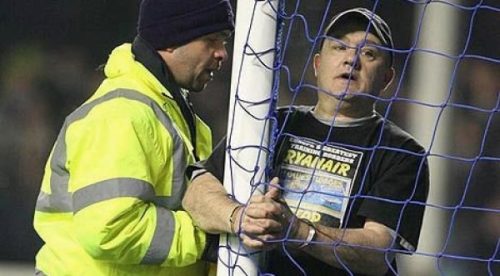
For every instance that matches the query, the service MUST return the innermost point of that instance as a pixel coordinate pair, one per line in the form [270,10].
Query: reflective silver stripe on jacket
[60,200]
[162,238]
[112,188]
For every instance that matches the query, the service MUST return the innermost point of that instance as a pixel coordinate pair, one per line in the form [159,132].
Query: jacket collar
[147,56]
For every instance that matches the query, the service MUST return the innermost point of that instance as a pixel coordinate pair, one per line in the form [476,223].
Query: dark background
[50,52]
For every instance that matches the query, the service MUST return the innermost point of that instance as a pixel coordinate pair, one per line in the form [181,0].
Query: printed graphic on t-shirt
[318,179]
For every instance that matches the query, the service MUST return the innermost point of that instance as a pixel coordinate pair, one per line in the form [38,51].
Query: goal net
[446,94]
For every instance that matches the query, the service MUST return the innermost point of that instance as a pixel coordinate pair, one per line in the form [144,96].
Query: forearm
[361,250]
[207,202]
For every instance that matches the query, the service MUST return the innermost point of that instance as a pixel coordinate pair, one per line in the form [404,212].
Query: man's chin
[344,95]
[198,87]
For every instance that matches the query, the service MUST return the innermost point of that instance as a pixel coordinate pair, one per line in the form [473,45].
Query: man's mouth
[348,76]
[210,73]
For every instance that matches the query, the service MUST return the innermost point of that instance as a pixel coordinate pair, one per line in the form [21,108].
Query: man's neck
[342,111]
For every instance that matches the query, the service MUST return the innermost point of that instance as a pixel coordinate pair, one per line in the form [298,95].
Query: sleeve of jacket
[120,161]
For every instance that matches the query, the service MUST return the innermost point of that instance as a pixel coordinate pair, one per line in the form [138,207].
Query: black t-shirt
[339,176]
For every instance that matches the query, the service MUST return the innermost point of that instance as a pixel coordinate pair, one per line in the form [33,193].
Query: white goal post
[248,127]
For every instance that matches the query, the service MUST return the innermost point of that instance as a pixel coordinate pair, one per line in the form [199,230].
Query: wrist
[234,219]
[306,233]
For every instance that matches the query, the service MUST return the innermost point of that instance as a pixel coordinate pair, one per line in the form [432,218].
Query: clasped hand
[266,221]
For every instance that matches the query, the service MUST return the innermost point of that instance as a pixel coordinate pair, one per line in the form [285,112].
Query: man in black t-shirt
[352,185]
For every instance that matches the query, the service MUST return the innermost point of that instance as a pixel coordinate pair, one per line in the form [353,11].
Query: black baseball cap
[377,25]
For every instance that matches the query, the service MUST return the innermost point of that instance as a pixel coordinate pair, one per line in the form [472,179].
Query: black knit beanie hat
[167,23]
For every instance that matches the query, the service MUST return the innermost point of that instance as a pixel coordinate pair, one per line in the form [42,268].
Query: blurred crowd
[44,76]
[34,102]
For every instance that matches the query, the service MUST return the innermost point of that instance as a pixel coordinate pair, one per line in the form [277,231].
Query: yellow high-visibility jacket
[110,200]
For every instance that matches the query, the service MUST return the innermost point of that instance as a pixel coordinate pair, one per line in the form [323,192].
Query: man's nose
[221,54]
[351,58]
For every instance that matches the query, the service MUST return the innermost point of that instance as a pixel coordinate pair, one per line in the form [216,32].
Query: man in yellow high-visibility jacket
[110,200]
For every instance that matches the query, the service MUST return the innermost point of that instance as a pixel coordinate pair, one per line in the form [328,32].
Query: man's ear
[316,63]
[167,54]
[389,77]
[170,49]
